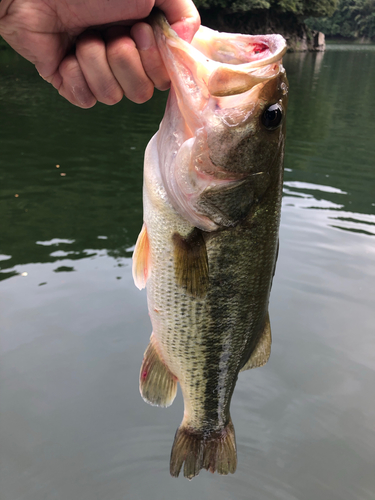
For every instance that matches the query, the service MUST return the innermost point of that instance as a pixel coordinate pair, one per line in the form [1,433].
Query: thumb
[182,15]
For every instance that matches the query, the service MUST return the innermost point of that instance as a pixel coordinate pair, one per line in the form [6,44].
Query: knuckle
[90,48]
[69,67]
[120,51]
[143,93]
[111,97]
[72,85]
[158,75]
[87,103]
[164,85]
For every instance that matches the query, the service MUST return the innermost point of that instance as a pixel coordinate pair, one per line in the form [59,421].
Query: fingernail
[83,96]
[143,37]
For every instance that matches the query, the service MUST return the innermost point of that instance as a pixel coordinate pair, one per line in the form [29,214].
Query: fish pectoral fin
[191,262]
[215,451]
[141,259]
[262,351]
[157,384]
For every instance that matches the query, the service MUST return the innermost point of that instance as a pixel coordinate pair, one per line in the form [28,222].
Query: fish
[208,247]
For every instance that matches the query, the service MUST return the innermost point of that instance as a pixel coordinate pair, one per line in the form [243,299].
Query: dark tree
[304,8]
[266,16]
[352,19]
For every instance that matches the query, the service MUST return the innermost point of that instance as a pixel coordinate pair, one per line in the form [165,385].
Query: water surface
[74,327]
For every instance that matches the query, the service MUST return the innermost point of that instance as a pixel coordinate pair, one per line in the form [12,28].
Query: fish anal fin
[215,451]
[262,351]
[141,259]
[191,263]
[158,386]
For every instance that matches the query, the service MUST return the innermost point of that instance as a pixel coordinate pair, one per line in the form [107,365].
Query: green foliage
[299,7]
[236,6]
[352,19]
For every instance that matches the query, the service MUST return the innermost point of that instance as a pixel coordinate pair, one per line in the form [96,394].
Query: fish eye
[272,116]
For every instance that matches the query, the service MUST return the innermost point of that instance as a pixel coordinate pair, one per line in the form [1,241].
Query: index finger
[182,15]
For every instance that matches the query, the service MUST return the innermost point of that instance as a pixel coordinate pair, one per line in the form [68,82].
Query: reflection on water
[365,47]
[348,221]
[97,203]
[74,328]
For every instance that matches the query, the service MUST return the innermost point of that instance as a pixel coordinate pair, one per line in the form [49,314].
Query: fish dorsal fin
[141,259]
[191,263]
[262,351]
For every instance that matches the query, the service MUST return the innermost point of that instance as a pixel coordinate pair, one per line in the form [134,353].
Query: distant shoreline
[295,37]
[357,41]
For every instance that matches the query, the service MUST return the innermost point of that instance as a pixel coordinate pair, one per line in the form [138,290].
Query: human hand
[116,56]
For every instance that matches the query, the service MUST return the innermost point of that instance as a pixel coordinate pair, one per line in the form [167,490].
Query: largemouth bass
[208,247]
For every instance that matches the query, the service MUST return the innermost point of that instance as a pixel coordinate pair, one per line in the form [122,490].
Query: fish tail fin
[215,451]
[158,386]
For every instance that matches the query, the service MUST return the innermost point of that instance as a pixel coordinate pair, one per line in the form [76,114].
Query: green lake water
[74,327]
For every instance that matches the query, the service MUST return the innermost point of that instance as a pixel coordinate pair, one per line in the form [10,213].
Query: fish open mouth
[225,63]
[244,61]
[235,49]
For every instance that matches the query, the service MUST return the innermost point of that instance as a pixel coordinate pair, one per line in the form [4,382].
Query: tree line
[344,18]
[352,19]
[303,8]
